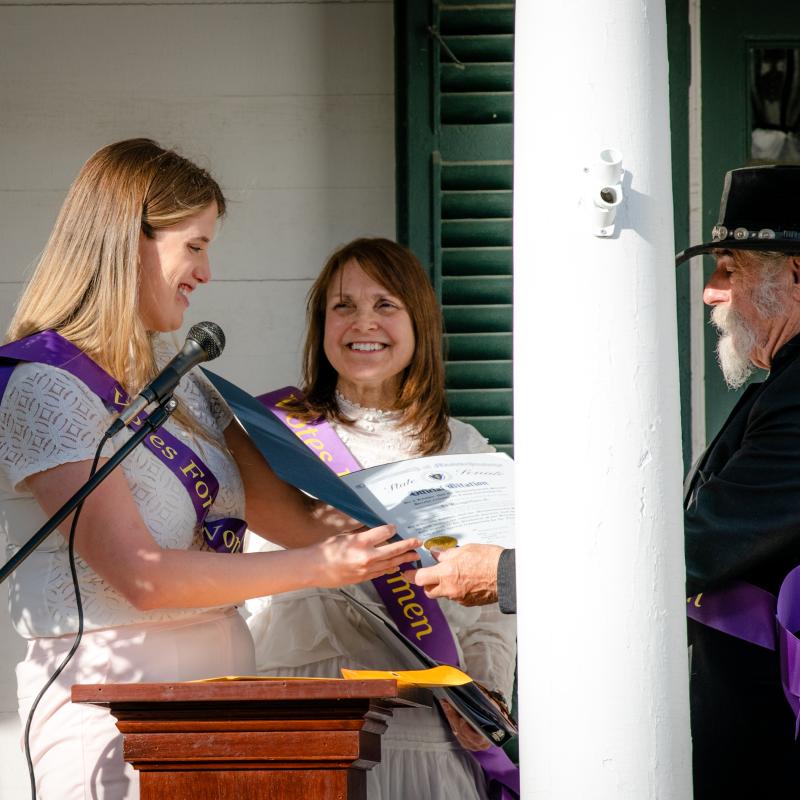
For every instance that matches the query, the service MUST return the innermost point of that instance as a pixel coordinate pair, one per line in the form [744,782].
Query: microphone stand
[150,424]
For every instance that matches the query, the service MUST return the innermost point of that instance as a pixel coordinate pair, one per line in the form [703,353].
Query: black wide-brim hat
[759,210]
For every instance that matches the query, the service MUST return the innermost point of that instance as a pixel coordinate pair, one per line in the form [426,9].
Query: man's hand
[467,574]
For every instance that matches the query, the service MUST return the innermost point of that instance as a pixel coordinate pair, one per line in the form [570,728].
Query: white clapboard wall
[291,106]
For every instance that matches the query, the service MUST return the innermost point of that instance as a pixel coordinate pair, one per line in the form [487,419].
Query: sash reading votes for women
[48,347]
[311,463]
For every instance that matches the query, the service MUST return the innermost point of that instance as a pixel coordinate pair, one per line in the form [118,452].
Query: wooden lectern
[271,740]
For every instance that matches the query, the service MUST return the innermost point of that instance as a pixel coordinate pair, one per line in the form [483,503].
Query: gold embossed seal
[440,543]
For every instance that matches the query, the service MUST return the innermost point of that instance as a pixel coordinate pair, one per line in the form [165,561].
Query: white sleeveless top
[49,417]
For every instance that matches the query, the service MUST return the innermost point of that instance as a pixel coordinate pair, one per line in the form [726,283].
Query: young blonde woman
[373,369]
[129,248]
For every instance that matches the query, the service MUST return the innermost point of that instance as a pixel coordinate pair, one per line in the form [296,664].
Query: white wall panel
[259,142]
[263,226]
[265,314]
[135,50]
[268,233]
[289,103]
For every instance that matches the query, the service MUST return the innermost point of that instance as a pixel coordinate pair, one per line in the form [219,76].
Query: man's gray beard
[735,344]
[738,340]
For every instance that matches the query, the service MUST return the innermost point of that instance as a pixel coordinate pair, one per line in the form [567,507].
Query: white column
[603,662]
[697,311]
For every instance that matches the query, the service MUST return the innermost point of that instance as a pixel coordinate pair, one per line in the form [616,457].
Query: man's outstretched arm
[473,575]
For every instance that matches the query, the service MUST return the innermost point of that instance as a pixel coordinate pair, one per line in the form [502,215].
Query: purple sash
[739,609]
[788,622]
[49,347]
[753,614]
[417,617]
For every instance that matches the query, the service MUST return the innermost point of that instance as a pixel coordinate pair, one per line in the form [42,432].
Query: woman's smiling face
[172,265]
[369,337]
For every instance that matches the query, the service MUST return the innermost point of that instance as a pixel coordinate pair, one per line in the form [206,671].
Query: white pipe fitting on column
[604,192]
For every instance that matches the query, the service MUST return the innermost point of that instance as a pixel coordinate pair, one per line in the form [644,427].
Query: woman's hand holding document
[446,501]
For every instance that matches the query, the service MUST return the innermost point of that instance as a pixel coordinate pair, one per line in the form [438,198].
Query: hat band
[720,233]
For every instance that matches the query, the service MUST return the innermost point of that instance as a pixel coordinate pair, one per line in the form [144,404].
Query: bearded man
[742,504]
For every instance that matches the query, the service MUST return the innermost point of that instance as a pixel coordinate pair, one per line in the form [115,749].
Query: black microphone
[204,342]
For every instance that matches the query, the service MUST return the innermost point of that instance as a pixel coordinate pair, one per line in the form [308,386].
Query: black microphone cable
[204,342]
[78,636]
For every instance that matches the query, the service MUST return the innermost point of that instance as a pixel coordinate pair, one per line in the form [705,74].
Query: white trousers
[76,748]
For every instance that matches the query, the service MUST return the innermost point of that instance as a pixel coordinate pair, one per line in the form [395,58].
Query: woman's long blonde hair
[86,284]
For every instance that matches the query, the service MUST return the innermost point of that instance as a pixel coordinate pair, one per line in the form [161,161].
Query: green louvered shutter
[455,140]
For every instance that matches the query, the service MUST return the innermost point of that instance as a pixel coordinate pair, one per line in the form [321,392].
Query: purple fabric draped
[753,614]
[788,623]
[739,609]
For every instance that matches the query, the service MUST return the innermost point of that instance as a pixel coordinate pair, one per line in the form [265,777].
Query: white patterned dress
[317,632]
[48,418]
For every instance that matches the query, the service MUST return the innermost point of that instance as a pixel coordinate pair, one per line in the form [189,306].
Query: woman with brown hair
[373,369]
[129,248]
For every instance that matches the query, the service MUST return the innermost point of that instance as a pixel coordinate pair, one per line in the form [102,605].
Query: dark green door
[750,114]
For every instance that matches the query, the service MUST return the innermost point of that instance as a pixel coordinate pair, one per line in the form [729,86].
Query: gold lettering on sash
[301,428]
[208,534]
[695,598]
[168,453]
[229,538]
[136,422]
[413,610]
[201,490]
[316,444]
[409,609]
[403,587]
[425,631]
[231,541]
[191,470]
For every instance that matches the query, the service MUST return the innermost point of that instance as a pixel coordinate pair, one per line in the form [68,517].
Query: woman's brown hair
[421,396]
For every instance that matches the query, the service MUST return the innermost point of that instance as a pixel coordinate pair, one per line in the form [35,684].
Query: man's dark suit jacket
[742,520]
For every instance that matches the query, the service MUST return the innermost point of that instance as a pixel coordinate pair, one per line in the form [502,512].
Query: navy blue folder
[296,464]
[289,458]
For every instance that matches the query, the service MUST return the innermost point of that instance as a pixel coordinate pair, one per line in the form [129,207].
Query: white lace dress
[317,632]
[48,418]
